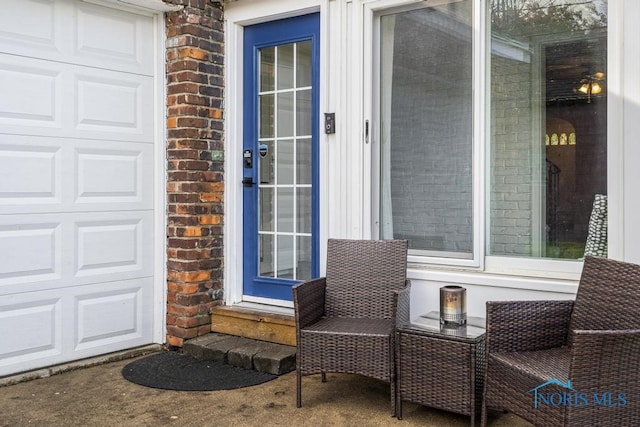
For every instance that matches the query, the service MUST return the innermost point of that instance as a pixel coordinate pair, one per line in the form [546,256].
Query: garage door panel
[112,246]
[108,104]
[62,325]
[18,244]
[61,100]
[32,253]
[42,36]
[36,328]
[31,93]
[42,252]
[82,33]
[73,175]
[96,324]
[123,45]
[111,106]
[30,173]
[106,247]
[113,176]
[113,314]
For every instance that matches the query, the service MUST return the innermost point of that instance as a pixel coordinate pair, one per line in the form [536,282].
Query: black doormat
[170,370]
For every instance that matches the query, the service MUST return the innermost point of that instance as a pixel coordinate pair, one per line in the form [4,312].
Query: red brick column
[195,155]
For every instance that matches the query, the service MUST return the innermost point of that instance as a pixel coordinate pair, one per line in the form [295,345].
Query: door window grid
[283,235]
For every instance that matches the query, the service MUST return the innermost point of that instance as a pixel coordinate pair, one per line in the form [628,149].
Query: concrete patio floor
[100,396]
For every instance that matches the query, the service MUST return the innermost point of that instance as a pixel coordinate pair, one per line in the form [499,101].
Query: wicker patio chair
[554,363]
[345,321]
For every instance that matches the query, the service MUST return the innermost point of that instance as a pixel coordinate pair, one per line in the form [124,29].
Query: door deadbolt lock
[247,158]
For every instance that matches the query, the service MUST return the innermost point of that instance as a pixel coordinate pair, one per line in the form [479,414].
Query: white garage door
[76,181]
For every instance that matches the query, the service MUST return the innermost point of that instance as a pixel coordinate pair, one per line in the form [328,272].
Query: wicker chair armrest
[308,302]
[606,359]
[583,334]
[402,304]
[527,325]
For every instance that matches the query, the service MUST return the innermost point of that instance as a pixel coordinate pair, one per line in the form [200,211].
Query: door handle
[247,181]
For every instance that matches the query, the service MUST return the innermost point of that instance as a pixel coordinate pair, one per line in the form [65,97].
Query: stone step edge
[271,358]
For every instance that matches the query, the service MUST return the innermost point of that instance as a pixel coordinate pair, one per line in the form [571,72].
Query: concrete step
[272,358]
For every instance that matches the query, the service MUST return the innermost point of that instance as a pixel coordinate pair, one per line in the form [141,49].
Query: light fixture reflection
[589,86]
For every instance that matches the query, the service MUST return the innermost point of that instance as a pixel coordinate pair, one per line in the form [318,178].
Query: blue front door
[280,155]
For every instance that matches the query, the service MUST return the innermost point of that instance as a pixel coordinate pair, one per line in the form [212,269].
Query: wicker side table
[441,367]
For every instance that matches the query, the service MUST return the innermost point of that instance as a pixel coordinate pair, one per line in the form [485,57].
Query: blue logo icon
[571,397]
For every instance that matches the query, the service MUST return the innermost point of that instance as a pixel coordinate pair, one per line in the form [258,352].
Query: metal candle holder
[453,305]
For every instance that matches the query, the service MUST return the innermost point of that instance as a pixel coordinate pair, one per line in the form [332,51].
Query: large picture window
[545,185]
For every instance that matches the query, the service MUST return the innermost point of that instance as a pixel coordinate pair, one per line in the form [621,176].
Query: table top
[429,324]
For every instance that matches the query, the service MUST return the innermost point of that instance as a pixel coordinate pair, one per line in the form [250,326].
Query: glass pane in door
[284,161]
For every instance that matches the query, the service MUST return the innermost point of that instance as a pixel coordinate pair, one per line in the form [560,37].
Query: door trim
[238,15]
[276,33]
[159,269]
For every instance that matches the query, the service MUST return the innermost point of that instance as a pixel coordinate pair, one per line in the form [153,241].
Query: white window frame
[571,269]
[372,12]
[481,261]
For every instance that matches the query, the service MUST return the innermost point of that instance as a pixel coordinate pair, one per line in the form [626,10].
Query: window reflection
[426,174]
[548,83]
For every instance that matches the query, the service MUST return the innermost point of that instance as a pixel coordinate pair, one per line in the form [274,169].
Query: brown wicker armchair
[345,321]
[566,363]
